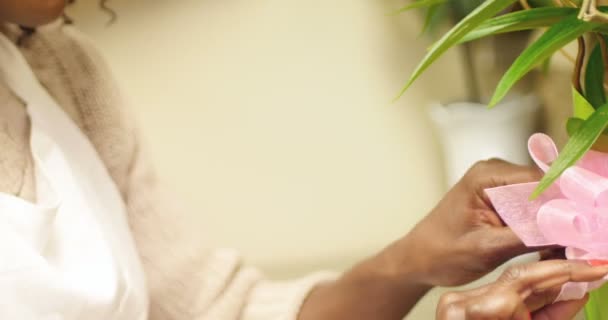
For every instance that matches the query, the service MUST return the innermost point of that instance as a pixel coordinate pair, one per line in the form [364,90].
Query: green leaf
[580,142]
[485,11]
[582,108]
[419,4]
[594,78]
[596,307]
[556,37]
[520,20]
[430,18]
[572,125]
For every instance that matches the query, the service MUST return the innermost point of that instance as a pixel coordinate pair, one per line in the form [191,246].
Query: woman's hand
[522,292]
[462,238]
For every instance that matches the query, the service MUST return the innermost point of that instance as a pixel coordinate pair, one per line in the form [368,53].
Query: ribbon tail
[574,291]
[519,213]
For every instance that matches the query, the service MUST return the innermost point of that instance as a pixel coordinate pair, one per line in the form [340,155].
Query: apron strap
[18,74]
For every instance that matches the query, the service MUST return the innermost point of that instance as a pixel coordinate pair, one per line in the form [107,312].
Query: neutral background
[273,121]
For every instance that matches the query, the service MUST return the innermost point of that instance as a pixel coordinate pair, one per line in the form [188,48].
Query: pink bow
[572,213]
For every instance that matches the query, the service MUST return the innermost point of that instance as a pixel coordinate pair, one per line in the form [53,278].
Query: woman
[90,234]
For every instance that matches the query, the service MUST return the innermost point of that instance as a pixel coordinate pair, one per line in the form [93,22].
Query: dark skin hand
[464,229]
[460,240]
[521,293]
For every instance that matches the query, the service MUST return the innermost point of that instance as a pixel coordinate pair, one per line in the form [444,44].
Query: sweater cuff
[282,300]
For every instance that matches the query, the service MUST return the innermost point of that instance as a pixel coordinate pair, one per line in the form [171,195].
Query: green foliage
[561,25]
[594,78]
[582,109]
[555,38]
[560,22]
[596,308]
[420,4]
[520,20]
[579,143]
[483,12]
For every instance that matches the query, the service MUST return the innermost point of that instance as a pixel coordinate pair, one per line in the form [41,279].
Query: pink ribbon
[572,213]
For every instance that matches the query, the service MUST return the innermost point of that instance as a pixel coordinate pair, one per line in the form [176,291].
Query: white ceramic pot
[469,132]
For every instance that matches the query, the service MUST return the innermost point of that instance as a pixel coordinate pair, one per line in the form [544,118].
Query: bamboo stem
[589,12]
[580,58]
[604,48]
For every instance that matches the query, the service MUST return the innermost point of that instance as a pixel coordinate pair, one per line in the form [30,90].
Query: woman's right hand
[522,292]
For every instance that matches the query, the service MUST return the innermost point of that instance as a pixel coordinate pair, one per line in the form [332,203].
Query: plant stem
[604,48]
[472,86]
[580,59]
[590,12]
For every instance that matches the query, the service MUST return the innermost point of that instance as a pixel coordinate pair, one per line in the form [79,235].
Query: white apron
[69,255]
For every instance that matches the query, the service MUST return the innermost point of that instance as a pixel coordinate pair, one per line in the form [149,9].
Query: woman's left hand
[522,292]
[462,238]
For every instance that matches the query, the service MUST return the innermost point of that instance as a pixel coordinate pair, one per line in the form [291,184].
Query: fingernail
[597,263]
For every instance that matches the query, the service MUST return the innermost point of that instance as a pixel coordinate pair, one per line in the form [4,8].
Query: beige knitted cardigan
[186,280]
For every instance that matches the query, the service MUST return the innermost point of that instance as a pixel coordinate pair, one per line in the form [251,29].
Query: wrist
[399,268]
[384,286]
[408,259]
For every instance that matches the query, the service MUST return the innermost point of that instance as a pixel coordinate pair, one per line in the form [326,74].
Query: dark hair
[103,5]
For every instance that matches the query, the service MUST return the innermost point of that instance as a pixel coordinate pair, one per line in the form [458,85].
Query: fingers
[506,305]
[551,273]
[496,172]
[520,289]
[538,299]
[498,245]
[504,242]
[492,304]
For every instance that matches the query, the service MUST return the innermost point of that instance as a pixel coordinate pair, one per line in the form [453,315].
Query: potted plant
[466,130]
[561,22]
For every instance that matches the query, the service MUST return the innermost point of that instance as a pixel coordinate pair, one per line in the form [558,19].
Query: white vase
[469,132]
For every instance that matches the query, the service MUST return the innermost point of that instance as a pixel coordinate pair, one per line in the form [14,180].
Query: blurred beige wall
[273,120]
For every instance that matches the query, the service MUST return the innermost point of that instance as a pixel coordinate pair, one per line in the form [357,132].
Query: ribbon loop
[572,213]
[542,150]
[584,187]
[560,223]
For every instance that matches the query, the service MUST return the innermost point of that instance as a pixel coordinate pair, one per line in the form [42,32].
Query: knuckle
[449,298]
[488,163]
[483,167]
[478,166]
[566,268]
[513,274]
[452,310]
[502,306]
[495,161]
